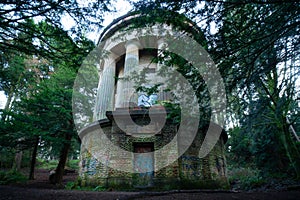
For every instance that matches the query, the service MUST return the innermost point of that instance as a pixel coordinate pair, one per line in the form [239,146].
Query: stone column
[105,93]
[161,45]
[118,96]
[131,64]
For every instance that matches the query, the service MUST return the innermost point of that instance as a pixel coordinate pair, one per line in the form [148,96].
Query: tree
[41,112]
[34,44]
[256,47]
[260,52]
[51,111]
[17,17]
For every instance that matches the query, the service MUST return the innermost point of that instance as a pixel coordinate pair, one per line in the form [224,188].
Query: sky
[122,7]
[2,99]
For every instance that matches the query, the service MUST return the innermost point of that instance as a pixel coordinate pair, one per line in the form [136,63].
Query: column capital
[111,58]
[133,42]
[112,55]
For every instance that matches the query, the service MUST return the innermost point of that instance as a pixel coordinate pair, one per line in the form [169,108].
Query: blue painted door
[143,165]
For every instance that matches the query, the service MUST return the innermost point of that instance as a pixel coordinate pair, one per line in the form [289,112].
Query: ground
[41,189]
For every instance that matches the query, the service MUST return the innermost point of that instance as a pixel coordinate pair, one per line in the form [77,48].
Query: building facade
[134,141]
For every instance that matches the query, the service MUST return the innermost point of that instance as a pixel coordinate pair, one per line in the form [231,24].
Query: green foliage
[7,157]
[261,140]
[39,90]
[9,177]
[245,178]
[256,49]
[72,185]
[47,164]
[51,164]
[239,145]
[75,185]
[73,164]
[81,17]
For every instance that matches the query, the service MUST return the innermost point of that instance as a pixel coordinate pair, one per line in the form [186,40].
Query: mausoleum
[136,140]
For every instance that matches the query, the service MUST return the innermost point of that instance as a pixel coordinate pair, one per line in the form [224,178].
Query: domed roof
[138,19]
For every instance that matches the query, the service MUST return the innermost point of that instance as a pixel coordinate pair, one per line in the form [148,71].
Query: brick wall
[188,169]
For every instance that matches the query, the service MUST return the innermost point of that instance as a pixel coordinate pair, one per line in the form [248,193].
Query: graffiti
[188,166]
[191,166]
[190,158]
[146,101]
[91,166]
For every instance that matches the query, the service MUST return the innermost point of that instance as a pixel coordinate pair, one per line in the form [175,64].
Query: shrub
[245,178]
[47,164]
[8,177]
[73,164]
[76,186]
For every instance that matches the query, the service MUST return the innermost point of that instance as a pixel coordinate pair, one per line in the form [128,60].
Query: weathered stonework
[113,148]
[188,169]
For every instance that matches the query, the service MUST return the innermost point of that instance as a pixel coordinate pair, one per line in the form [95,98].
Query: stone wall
[187,171]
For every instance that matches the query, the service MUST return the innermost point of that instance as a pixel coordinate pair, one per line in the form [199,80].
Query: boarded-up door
[143,164]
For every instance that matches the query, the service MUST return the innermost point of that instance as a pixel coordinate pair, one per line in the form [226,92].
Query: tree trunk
[33,158]
[18,161]
[59,172]
[291,149]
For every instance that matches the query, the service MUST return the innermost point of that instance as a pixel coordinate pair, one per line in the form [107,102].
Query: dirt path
[21,193]
[41,189]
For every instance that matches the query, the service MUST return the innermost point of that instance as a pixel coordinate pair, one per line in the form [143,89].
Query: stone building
[133,142]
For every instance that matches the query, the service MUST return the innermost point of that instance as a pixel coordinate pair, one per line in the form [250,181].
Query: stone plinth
[187,169]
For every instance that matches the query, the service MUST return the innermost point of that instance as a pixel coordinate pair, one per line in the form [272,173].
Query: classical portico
[116,90]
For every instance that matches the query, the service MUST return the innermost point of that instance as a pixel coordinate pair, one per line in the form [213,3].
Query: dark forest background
[255,45]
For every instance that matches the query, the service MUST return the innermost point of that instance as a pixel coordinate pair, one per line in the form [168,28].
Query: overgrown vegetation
[245,178]
[255,46]
[77,185]
[12,176]
[39,59]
